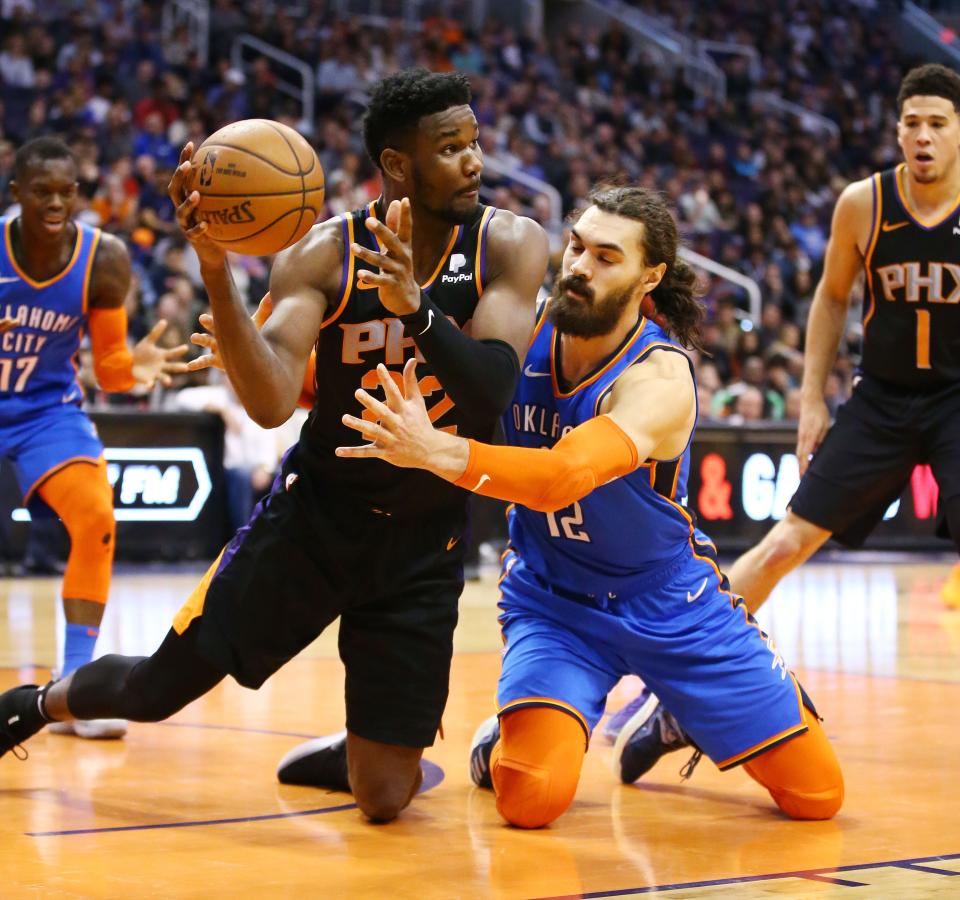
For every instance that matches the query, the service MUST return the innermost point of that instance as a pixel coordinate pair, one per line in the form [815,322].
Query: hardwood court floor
[191,808]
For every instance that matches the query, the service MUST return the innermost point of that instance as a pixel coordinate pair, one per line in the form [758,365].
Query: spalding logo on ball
[260,186]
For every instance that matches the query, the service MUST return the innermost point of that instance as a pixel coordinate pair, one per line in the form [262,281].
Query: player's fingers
[367,451]
[175,368]
[392,218]
[390,388]
[384,262]
[203,362]
[164,379]
[373,431]
[157,330]
[377,407]
[410,387]
[197,231]
[264,310]
[405,225]
[186,154]
[204,340]
[387,237]
[175,352]
[207,321]
[367,279]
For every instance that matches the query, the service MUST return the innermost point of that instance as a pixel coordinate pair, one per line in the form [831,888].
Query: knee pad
[803,775]
[536,765]
[83,499]
[531,796]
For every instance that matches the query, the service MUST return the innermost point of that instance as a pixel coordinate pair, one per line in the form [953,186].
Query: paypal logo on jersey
[457,262]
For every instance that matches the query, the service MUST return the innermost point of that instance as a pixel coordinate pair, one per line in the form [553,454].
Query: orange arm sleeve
[547,480]
[308,392]
[112,360]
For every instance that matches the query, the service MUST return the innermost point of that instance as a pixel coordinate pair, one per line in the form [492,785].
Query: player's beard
[462,214]
[589,317]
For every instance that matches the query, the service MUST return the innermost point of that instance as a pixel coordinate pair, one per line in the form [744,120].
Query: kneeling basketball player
[605,574]
[425,272]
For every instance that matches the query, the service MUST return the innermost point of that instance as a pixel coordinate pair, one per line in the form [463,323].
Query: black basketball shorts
[301,562]
[881,433]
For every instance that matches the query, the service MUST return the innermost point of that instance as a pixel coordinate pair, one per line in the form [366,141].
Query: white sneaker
[92,729]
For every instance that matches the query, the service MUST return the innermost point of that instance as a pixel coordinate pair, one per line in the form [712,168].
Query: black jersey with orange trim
[358,333]
[911,317]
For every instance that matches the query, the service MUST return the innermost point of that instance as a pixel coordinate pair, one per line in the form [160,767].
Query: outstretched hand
[396,282]
[209,340]
[403,435]
[152,363]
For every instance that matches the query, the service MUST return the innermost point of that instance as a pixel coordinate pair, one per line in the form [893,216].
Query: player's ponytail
[675,299]
[673,304]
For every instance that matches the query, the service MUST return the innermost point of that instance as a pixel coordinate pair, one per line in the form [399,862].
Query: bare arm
[828,314]
[517,254]
[110,278]
[265,367]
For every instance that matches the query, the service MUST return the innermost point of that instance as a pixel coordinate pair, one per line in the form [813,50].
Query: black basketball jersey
[911,312]
[357,334]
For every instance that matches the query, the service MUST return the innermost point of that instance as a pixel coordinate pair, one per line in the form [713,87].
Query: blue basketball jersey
[38,367]
[622,529]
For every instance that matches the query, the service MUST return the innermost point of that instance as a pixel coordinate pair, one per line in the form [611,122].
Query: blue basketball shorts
[680,629]
[40,445]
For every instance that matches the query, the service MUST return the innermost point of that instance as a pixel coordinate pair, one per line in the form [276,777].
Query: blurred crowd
[752,188]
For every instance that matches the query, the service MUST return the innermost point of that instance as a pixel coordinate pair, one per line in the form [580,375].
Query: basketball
[260,184]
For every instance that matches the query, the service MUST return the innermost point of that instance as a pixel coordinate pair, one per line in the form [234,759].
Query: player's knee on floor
[535,766]
[802,775]
[382,796]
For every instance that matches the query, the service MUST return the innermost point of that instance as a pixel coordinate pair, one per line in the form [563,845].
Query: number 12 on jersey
[566,525]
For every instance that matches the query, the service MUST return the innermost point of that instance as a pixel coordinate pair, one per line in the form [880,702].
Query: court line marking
[432,776]
[807,874]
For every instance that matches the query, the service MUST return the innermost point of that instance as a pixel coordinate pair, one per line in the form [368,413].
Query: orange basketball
[260,185]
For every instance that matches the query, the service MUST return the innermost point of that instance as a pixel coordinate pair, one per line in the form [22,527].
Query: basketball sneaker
[321,762]
[614,725]
[950,592]
[651,733]
[484,739]
[92,729]
[21,717]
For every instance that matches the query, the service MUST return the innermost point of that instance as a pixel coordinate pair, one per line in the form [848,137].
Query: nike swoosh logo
[453,543]
[886,226]
[696,596]
[429,322]
[483,478]
[7,279]
[533,374]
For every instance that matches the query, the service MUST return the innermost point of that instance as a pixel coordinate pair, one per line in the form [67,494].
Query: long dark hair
[678,310]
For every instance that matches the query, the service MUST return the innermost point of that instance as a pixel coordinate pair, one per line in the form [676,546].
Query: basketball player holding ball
[425,270]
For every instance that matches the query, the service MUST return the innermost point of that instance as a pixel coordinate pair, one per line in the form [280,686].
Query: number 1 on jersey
[923,338]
